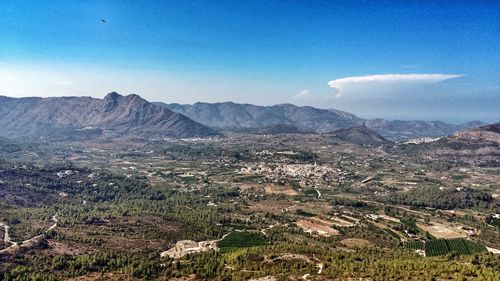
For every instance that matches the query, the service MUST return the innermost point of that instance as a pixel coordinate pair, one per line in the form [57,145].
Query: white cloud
[302,94]
[385,82]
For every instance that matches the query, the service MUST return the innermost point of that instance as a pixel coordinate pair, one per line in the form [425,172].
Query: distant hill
[241,117]
[494,128]
[478,146]
[115,115]
[396,129]
[358,135]
[483,139]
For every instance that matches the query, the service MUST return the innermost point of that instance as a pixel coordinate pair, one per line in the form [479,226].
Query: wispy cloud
[386,81]
[302,94]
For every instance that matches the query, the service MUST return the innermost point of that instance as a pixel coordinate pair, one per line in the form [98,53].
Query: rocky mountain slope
[115,115]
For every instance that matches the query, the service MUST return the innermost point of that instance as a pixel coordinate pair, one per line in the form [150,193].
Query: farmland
[441,247]
[240,240]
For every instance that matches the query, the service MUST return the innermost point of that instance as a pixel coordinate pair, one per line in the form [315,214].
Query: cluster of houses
[305,174]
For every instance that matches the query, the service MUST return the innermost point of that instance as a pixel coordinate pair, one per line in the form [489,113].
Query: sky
[427,60]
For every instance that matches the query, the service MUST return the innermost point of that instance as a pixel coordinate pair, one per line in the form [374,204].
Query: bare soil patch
[185,247]
[275,189]
[439,230]
[271,206]
[320,227]
[355,242]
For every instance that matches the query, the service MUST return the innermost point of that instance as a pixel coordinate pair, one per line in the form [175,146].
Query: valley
[293,205]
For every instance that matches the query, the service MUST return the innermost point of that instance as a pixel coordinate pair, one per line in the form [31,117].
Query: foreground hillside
[115,115]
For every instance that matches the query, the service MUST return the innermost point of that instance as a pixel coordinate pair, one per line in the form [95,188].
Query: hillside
[482,140]
[478,146]
[115,115]
[358,135]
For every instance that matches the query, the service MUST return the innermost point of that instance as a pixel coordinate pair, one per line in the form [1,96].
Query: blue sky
[378,56]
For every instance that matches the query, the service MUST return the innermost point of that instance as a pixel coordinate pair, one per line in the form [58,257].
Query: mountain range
[115,115]
[248,117]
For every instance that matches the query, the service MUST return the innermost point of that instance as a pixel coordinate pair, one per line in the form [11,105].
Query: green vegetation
[415,245]
[440,247]
[430,196]
[241,239]
[392,233]
[304,213]
[410,224]
[311,193]
[493,221]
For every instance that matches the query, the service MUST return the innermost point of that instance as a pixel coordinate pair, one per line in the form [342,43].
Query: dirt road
[25,243]
[6,238]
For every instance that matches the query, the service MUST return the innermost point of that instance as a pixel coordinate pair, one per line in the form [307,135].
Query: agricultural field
[240,240]
[440,247]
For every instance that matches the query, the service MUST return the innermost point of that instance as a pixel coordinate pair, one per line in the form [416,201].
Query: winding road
[25,243]
[319,193]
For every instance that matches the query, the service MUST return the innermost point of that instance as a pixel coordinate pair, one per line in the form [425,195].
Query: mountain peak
[112,96]
[111,101]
